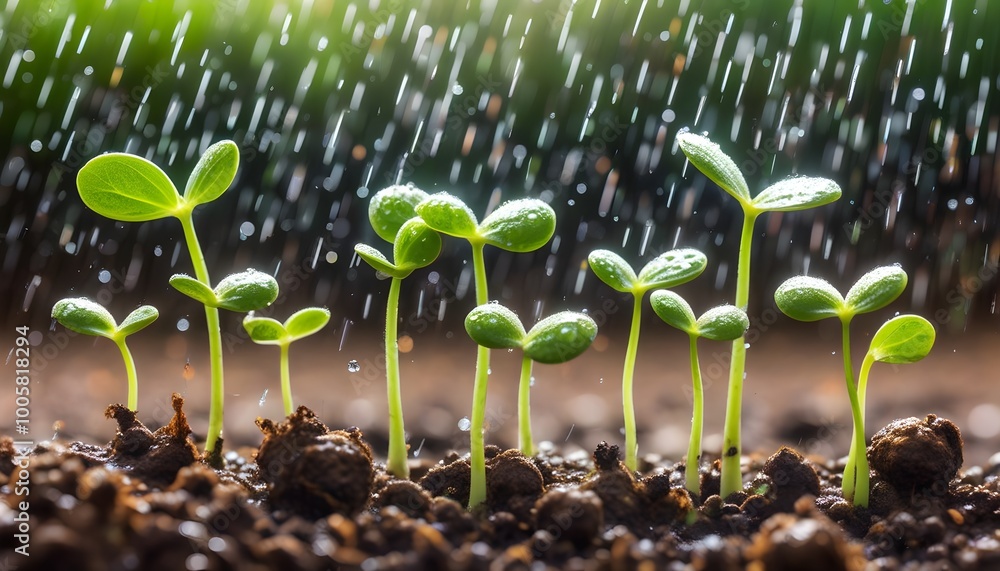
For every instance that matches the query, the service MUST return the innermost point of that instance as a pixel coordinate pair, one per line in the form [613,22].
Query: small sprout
[242,292]
[810,299]
[666,270]
[722,323]
[553,340]
[130,188]
[799,193]
[267,331]
[90,318]
[393,215]
[516,226]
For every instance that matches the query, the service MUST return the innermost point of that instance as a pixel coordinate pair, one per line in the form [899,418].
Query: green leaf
[494,326]
[902,339]
[449,215]
[265,331]
[521,225]
[799,193]
[305,322]
[809,299]
[246,291]
[674,310]
[138,320]
[391,207]
[672,268]
[416,246]
[214,173]
[560,337]
[708,157]
[194,289]
[81,315]
[723,323]
[377,260]
[128,188]
[876,289]
[613,270]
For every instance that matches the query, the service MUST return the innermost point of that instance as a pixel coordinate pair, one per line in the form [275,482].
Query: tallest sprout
[517,226]
[789,195]
[129,188]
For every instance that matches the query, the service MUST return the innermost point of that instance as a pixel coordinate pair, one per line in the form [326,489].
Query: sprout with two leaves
[90,318]
[414,245]
[669,269]
[799,193]
[267,331]
[556,339]
[722,323]
[522,225]
[129,188]
[907,339]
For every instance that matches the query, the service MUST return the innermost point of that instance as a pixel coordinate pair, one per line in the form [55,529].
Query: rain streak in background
[577,103]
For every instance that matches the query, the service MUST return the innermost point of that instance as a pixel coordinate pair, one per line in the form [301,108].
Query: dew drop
[353,366]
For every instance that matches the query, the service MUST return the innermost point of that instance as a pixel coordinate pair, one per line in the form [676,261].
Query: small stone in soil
[913,454]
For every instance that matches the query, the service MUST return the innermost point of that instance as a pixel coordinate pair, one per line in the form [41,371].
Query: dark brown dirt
[315,500]
[912,454]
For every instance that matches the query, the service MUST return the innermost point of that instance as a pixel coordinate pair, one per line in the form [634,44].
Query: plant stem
[286,380]
[214,334]
[524,409]
[133,382]
[732,477]
[847,486]
[857,494]
[477,452]
[396,462]
[628,404]
[692,477]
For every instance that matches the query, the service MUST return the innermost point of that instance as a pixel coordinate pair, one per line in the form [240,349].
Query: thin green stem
[286,380]
[133,380]
[524,409]
[396,462]
[847,485]
[858,491]
[628,404]
[477,445]
[732,477]
[692,477]
[214,334]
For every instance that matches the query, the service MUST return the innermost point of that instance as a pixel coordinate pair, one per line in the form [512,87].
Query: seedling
[129,188]
[799,193]
[90,318]
[267,331]
[808,299]
[722,323]
[517,226]
[415,245]
[669,269]
[553,340]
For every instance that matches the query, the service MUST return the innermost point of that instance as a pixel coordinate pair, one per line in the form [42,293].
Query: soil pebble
[914,454]
[805,539]
[570,515]
[313,471]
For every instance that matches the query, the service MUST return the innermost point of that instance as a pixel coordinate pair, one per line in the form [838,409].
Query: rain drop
[104,276]
[353,366]
[183,324]
[263,398]
[464,424]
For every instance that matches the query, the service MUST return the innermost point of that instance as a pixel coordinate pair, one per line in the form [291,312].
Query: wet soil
[310,497]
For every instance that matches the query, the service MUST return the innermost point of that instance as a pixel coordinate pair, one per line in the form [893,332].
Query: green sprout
[517,226]
[553,340]
[799,193]
[90,318]
[129,188]
[722,323]
[267,331]
[806,298]
[393,216]
[669,269]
